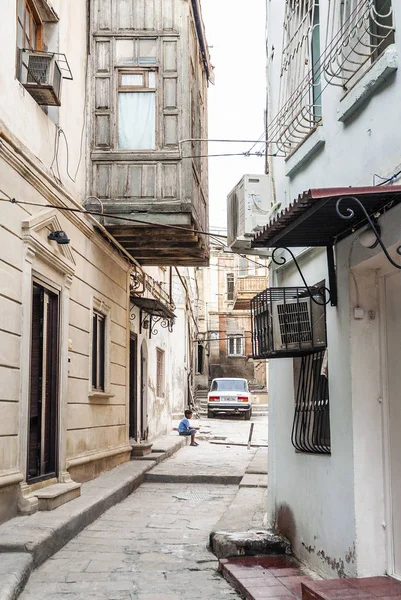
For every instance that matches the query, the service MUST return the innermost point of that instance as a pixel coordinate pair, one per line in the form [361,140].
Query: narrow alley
[153,545]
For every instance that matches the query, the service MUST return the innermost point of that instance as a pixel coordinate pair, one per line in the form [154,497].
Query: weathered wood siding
[157,177]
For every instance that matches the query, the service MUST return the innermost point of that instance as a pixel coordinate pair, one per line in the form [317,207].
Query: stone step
[53,496]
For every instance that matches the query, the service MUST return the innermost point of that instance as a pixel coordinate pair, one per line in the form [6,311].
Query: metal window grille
[300,81]
[98,351]
[311,426]
[287,323]
[358,33]
[236,345]
[160,373]
[230,286]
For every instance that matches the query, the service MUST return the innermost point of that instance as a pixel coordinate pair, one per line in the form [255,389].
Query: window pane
[147,52]
[132,79]
[152,79]
[101,324]
[21,10]
[125,50]
[20,36]
[94,351]
[137,120]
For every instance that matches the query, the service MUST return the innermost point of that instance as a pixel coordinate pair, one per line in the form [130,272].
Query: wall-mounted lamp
[58,236]
[368,239]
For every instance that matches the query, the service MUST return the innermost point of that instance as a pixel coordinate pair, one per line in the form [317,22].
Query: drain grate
[195,496]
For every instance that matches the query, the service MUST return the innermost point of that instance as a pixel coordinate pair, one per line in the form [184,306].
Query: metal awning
[312,219]
[153,307]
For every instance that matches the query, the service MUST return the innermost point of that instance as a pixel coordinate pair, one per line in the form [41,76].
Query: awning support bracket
[324,292]
[350,214]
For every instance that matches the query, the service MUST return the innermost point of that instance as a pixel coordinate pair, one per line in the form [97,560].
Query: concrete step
[253,480]
[53,496]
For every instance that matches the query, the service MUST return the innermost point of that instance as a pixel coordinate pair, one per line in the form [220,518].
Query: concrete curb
[15,569]
[215,479]
[27,541]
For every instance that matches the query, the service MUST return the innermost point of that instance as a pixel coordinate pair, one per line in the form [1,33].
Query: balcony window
[137,110]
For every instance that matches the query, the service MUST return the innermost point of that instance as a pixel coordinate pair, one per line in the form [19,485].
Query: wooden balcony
[246,288]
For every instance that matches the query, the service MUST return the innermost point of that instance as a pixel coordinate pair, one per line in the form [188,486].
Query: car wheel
[210,414]
[248,414]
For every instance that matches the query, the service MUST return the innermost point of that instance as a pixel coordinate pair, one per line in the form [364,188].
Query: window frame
[34,16]
[236,337]
[99,307]
[160,373]
[98,362]
[230,281]
[122,89]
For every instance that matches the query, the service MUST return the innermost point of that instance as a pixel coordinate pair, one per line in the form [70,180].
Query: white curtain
[136,120]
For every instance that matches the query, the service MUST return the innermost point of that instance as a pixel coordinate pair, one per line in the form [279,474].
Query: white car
[229,395]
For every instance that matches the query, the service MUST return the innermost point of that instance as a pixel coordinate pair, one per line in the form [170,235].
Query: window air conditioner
[41,76]
[248,208]
[296,326]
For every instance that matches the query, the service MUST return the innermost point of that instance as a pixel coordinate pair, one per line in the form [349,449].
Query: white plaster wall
[337,502]
[19,112]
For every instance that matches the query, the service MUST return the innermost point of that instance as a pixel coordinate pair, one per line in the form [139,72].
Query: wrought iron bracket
[327,295]
[349,214]
[148,321]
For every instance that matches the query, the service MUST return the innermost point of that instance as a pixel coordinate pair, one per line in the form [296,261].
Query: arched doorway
[143,417]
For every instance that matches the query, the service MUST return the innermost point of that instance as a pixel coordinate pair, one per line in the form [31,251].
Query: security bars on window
[358,32]
[311,426]
[286,323]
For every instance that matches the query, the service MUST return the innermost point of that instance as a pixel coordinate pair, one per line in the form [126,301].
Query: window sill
[305,151]
[381,70]
[98,395]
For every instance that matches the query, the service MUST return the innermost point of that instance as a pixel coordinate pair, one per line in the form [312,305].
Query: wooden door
[133,389]
[393,334]
[43,397]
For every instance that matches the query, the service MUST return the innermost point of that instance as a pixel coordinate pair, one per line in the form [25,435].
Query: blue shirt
[184,425]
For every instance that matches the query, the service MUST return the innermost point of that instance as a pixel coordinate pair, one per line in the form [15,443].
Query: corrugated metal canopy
[312,220]
[153,307]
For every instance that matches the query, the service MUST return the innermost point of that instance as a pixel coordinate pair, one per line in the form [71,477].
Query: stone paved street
[153,545]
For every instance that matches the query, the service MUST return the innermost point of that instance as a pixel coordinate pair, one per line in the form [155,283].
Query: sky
[235,32]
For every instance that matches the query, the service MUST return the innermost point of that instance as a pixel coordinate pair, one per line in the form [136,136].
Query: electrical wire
[112,216]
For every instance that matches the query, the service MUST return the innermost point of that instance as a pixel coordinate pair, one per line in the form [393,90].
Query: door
[133,389]
[43,396]
[144,393]
[393,335]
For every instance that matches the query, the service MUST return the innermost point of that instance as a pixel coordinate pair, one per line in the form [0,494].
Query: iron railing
[287,323]
[311,426]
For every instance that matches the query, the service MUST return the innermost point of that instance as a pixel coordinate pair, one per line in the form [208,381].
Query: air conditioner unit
[248,208]
[296,325]
[41,77]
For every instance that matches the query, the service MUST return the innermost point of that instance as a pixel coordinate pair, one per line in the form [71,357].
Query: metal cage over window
[286,322]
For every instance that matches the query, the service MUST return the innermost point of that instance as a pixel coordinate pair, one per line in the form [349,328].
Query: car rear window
[229,385]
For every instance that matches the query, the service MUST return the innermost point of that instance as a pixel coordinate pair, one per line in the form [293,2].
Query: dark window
[98,351]
[230,286]
[311,427]
[229,385]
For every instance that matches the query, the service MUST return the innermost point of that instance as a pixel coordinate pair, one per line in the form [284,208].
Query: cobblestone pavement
[153,545]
